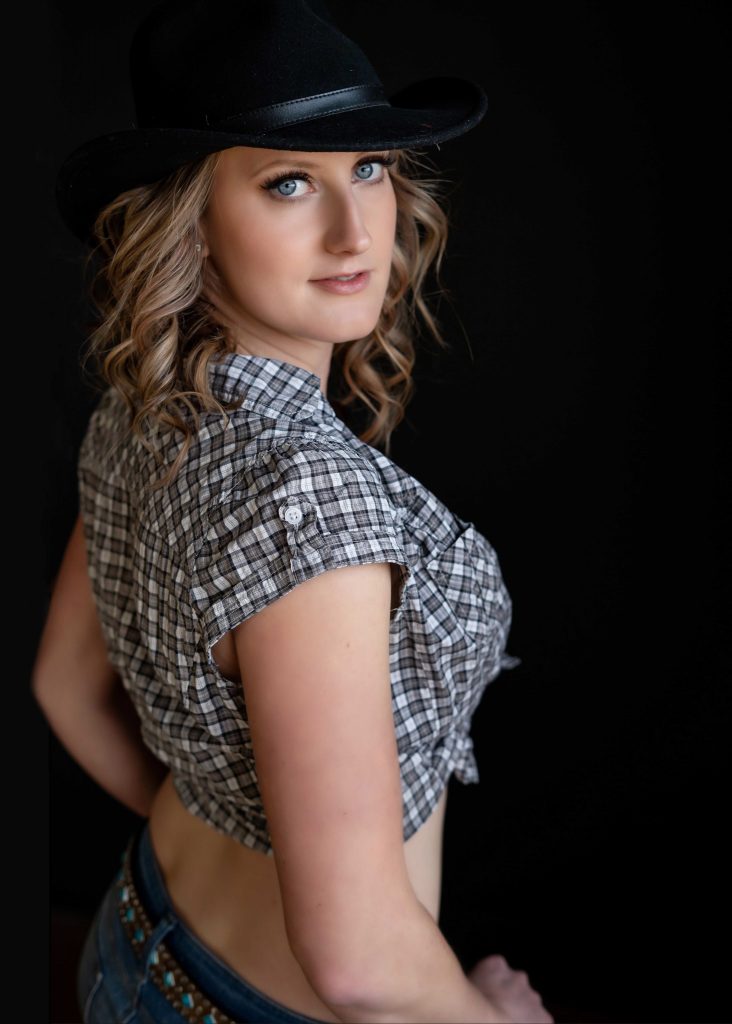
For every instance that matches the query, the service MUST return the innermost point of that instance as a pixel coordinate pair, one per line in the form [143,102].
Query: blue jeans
[113,983]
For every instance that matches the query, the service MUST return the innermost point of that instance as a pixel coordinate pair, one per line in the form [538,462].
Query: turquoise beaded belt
[165,971]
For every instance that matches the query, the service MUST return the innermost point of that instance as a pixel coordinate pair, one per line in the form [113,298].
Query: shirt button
[293,515]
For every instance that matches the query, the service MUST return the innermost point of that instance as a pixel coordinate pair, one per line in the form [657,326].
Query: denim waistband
[224,987]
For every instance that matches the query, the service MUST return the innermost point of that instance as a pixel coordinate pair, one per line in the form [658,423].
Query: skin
[81,694]
[264,248]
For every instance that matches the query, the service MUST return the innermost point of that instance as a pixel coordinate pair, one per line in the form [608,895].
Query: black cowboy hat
[210,74]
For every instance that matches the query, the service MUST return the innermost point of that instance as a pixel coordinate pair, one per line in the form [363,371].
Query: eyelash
[297,174]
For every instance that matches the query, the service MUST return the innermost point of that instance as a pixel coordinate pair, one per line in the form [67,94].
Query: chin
[355,323]
[358,332]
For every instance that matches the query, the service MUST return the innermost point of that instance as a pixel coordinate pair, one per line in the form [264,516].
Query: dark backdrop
[577,420]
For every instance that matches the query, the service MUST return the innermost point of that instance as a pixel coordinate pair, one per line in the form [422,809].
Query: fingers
[511,990]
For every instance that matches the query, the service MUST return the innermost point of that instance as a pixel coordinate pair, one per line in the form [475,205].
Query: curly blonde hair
[156,331]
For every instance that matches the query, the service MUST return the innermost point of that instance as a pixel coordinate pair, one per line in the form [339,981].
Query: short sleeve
[301,509]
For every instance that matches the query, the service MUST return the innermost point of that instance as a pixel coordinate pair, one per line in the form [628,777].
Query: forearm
[415,977]
[104,738]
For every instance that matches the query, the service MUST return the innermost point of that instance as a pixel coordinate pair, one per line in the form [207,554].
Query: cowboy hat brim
[421,114]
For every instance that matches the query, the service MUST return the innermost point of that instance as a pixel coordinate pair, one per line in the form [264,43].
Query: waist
[187,971]
[229,894]
[216,876]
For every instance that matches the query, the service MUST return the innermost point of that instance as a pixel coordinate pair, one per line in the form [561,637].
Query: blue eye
[288,182]
[297,174]
[363,167]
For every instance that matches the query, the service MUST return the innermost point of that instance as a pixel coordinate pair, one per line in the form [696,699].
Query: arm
[81,695]
[318,694]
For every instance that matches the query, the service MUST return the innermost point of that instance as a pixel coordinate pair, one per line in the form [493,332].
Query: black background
[577,420]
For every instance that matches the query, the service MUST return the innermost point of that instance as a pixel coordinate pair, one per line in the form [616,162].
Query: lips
[341,273]
[355,284]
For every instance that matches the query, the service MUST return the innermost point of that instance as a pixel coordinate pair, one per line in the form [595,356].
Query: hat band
[306,108]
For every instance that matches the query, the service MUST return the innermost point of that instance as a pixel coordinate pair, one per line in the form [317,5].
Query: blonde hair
[157,332]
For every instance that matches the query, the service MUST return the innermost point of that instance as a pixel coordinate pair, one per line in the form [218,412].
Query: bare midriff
[228,895]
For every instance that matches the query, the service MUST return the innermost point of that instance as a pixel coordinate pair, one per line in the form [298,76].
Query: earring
[198,246]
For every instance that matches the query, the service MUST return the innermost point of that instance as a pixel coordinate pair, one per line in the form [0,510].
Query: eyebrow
[292,161]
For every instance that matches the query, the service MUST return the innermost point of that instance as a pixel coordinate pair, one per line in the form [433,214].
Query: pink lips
[356,284]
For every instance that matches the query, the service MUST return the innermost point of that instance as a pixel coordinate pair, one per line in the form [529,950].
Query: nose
[346,228]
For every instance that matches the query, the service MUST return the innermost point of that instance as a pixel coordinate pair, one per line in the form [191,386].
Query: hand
[509,991]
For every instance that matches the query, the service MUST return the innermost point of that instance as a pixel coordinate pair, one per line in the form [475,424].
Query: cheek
[386,222]
[263,252]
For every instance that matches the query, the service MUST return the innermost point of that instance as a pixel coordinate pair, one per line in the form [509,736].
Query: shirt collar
[271,387]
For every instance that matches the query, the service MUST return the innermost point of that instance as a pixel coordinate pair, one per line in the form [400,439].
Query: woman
[300,630]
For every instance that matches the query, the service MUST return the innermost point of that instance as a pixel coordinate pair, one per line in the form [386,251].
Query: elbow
[46,679]
[48,691]
[333,985]
[352,965]
[318,964]
[350,993]
[40,690]
[54,710]
[56,701]
[326,984]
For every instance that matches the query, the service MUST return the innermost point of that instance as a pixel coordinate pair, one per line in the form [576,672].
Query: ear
[202,237]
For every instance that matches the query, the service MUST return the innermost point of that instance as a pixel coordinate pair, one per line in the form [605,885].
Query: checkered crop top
[283,493]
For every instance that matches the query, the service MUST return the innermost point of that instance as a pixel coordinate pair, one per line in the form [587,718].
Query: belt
[164,970]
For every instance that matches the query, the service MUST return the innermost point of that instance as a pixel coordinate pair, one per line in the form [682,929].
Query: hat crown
[210,74]
[200,64]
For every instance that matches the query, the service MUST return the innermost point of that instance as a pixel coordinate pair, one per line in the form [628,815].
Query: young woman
[265,637]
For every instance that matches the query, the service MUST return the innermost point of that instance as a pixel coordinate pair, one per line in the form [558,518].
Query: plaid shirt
[287,491]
